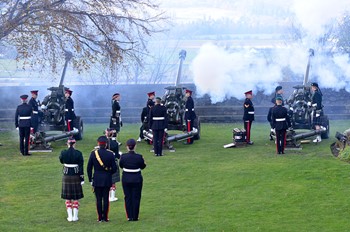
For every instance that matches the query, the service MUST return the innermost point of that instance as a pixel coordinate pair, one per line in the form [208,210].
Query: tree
[108,32]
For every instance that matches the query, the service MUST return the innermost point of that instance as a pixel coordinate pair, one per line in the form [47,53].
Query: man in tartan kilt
[73,179]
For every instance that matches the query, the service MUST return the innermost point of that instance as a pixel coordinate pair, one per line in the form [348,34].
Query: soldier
[144,118]
[150,100]
[248,116]
[23,124]
[316,104]
[132,180]
[35,110]
[278,92]
[113,146]
[103,163]
[69,114]
[116,120]
[73,179]
[158,123]
[281,122]
[190,115]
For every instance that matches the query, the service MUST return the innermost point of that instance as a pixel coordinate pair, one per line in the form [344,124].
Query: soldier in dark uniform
[35,113]
[150,100]
[116,120]
[316,104]
[23,124]
[248,116]
[103,163]
[281,122]
[73,179]
[113,146]
[132,181]
[69,113]
[279,93]
[190,115]
[144,116]
[158,123]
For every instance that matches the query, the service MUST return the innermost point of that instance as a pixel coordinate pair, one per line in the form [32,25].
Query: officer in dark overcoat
[132,181]
[116,120]
[317,109]
[69,113]
[158,123]
[102,161]
[145,114]
[248,116]
[73,179]
[150,100]
[190,114]
[35,110]
[23,124]
[281,122]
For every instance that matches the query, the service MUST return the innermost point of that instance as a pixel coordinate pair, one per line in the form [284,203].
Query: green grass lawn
[202,187]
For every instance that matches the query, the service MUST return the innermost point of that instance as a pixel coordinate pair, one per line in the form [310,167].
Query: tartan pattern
[71,188]
[116,175]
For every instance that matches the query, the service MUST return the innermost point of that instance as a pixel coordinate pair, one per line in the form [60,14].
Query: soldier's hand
[91,183]
[17,128]
[166,129]
[309,103]
[82,182]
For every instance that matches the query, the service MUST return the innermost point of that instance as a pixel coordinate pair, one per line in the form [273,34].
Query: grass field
[202,187]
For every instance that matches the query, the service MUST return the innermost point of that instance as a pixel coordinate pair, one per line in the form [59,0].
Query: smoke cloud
[223,73]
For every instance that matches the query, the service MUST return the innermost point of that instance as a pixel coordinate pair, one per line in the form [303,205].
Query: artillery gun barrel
[62,136]
[68,56]
[306,77]
[182,56]
[183,136]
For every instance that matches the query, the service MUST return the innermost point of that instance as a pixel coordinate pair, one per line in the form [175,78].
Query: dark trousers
[141,132]
[247,127]
[102,202]
[189,126]
[280,140]
[132,197]
[158,136]
[24,133]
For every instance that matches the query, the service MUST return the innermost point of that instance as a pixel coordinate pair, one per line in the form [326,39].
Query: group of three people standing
[100,168]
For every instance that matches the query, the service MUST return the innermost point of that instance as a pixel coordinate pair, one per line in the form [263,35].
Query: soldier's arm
[16,118]
[89,167]
[81,164]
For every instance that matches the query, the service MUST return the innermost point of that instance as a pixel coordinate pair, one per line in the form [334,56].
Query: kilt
[71,188]
[116,175]
[318,120]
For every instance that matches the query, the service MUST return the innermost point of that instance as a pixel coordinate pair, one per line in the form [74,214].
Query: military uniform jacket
[189,109]
[114,147]
[115,110]
[280,118]
[72,156]
[23,115]
[132,162]
[34,104]
[317,100]
[158,117]
[69,110]
[149,103]
[248,110]
[269,116]
[102,174]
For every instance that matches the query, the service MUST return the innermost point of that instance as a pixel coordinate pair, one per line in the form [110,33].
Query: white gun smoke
[223,73]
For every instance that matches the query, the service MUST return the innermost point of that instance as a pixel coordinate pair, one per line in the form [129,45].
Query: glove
[17,128]
[166,129]
[43,107]
[290,128]
[309,103]
[82,182]
[91,183]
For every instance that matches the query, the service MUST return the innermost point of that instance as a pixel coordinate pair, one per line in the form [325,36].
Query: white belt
[280,119]
[250,112]
[114,138]
[188,110]
[68,109]
[118,111]
[131,170]
[158,118]
[71,165]
[35,112]
[23,118]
